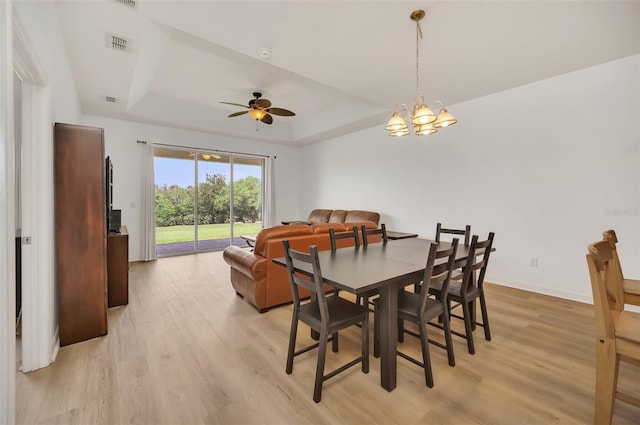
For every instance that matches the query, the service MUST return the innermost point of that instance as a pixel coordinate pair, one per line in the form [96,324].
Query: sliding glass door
[205,200]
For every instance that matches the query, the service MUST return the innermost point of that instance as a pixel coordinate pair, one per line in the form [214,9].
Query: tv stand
[118,267]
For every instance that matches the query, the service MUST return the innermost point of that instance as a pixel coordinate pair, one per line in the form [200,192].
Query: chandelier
[423,120]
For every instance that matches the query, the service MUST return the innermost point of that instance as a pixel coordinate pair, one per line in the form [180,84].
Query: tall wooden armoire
[81,232]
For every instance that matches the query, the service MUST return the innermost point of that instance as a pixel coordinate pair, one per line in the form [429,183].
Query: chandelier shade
[421,117]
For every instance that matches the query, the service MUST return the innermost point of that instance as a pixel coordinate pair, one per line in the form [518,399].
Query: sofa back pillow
[279,232]
[338,216]
[359,215]
[319,216]
[324,227]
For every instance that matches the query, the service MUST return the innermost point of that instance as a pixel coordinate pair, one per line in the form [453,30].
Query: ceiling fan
[260,109]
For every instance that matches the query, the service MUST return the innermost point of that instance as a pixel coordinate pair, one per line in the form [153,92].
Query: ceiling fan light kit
[260,109]
[422,118]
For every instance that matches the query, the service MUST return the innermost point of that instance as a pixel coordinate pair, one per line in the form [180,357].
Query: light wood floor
[187,350]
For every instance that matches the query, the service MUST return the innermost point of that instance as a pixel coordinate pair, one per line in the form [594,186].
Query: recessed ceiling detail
[184,57]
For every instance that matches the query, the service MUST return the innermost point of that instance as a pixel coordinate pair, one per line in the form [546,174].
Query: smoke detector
[264,53]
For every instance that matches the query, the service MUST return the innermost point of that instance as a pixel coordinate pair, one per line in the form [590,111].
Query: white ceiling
[340,65]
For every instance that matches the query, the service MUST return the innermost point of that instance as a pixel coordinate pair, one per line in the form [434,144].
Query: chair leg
[485,316]
[607,364]
[446,324]
[365,344]
[400,330]
[292,343]
[426,359]
[376,331]
[334,342]
[466,312]
[322,355]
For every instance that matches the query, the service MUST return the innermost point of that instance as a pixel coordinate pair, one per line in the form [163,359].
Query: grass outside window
[173,234]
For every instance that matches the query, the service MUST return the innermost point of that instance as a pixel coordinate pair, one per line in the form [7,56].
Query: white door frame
[39,327]
[7,223]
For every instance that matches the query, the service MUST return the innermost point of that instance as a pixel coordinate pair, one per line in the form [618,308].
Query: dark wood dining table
[385,267]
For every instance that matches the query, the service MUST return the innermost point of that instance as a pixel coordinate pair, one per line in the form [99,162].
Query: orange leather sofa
[261,282]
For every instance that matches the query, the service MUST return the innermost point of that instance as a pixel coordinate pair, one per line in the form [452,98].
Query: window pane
[174,175]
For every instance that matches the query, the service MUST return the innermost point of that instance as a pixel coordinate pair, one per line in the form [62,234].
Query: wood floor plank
[188,350]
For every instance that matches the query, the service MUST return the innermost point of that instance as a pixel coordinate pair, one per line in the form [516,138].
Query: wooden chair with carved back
[617,331]
[630,287]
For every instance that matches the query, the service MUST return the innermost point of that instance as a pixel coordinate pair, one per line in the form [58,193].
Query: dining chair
[465,292]
[630,287]
[366,233]
[466,233]
[617,331]
[421,309]
[382,231]
[334,237]
[323,313]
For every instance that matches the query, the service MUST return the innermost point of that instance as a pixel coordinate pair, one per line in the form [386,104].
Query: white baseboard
[542,290]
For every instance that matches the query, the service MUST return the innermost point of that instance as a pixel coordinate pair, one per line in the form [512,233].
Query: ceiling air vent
[117,43]
[110,99]
[130,3]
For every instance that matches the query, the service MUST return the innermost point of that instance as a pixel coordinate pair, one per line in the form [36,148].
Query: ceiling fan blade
[280,111]
[235,104]
[263,103]
[267,119]
[236,114]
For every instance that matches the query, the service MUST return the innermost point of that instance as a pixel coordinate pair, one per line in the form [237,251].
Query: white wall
[52,97]
[40,21]
[546,166]
[126,154]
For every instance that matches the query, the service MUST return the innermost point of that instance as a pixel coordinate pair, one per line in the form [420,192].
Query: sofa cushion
[358,224]
[324,227]
[319,216]
[359,215]
[338,216]
[279,232]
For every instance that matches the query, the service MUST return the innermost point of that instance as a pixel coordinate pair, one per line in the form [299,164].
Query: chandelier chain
[418,37]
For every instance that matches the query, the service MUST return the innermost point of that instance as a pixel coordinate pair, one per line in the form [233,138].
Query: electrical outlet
[534,262]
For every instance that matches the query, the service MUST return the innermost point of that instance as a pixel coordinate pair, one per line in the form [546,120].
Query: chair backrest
[314,284]
[466,232]
[333,236]
[602,255]
[610,236]
[438,272]
[605,329]
[382,230]
[476,264]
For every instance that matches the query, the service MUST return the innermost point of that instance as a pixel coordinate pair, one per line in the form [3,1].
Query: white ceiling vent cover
[129,3]
[118,43]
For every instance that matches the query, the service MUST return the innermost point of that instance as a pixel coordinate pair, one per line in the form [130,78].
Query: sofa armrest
[246,262]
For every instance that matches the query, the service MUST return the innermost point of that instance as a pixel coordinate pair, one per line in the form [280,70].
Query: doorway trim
[40,341]
[7,222]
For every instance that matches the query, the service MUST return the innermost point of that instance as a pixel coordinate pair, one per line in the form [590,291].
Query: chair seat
[409,306]
[342,313]
[455,290]
[631,289]
[631,286]
[627,326]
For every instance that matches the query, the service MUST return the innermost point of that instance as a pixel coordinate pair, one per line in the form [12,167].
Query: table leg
[388,336]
